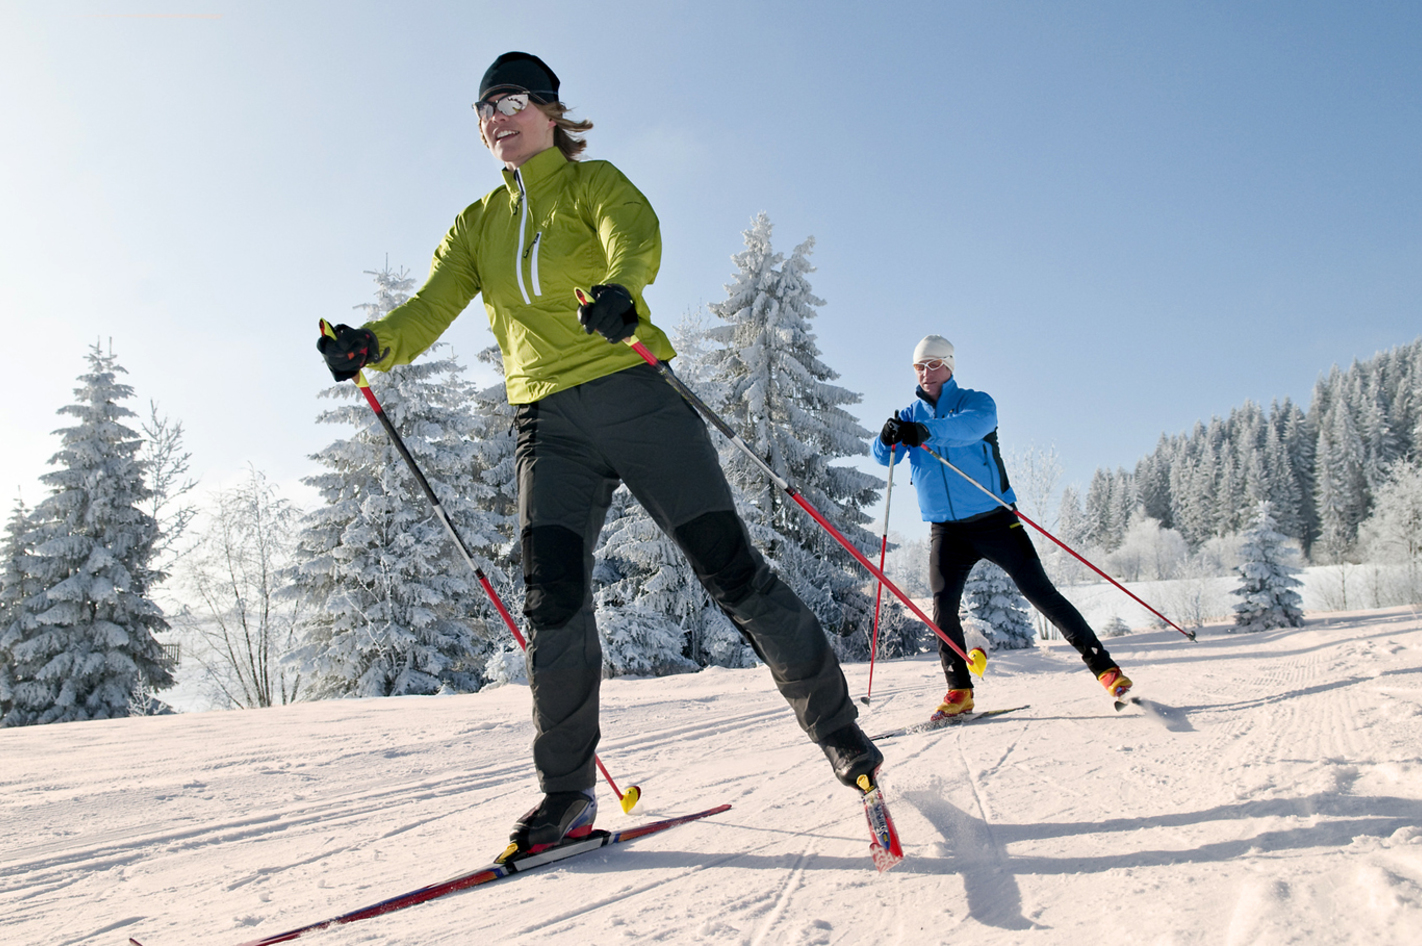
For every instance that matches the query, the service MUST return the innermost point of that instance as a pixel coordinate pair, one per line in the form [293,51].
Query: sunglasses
[508,105]
[933,364]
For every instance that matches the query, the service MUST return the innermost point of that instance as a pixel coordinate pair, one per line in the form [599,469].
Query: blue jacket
[963,429]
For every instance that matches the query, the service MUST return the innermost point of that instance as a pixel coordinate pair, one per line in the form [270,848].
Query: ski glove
[612,313]
[905,432]
[351,350]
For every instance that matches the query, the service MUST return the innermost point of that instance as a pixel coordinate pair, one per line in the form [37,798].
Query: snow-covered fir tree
[392,608]
[647,597]
[494,444]
[1340,483]
[779,399]
[900,633]
[1393,533]
[654,616]
[1267,579]
[15,586]
[83,643]
[992,598]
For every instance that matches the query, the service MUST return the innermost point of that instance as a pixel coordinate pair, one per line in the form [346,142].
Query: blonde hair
[567,134]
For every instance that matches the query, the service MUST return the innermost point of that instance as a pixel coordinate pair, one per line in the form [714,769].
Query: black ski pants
[574,448]
[955,547]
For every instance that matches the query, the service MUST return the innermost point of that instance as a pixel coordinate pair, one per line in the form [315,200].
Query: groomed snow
[1278,799]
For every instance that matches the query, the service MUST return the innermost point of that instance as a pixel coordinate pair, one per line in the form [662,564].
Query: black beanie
[522,71]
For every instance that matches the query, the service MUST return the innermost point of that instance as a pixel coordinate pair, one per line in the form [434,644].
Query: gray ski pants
[574,447]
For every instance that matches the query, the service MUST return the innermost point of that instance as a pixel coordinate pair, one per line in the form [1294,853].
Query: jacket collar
[535,170]
[949,387]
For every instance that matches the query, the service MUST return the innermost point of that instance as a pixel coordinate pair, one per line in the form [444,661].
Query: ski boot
[852,755]
[955,703]
[1116,683]
[560,817]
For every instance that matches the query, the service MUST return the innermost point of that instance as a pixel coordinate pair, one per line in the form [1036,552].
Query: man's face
[932,374]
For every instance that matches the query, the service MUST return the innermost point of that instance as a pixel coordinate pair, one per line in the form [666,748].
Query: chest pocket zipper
[537,241]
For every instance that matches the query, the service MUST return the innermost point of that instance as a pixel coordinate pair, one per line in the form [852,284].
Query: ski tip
[1127,701]
[629,799]
[977,661]
[883,858]
[131,940]
[864,700]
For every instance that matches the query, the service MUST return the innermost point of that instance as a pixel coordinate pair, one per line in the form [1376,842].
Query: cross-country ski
[933,725]
[486,875]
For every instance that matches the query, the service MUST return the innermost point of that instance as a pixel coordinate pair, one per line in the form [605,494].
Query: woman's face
[513,139]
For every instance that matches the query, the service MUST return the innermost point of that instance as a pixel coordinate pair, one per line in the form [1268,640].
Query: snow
[1275,797]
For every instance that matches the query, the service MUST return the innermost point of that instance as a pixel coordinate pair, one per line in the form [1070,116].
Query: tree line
[1333,474]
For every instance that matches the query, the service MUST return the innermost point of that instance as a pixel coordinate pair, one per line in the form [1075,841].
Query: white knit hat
[934,346]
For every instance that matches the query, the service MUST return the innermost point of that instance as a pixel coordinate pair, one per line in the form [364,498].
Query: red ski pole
[1018,513]
[879,586]
[977,663]
[626,799]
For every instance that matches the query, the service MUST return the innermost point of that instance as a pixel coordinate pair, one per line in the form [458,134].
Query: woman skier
[592,414]
[967,526]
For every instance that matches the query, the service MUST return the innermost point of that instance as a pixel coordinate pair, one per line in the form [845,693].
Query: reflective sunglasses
[933,364]
[508,105]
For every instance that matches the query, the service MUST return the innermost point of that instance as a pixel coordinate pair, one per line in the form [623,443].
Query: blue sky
[1126,216]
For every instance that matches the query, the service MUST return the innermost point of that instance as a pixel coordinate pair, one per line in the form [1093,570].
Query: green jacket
[581,224]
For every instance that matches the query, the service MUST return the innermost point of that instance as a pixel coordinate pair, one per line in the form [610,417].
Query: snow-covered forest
[1343,479]
[121,580]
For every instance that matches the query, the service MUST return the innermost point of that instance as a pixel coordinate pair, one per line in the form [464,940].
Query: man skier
[592,414]
[967,526]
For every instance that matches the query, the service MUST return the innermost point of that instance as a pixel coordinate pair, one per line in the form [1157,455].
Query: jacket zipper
[522,227]
[943,472]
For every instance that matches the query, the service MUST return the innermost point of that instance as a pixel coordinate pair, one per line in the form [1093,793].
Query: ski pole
[1018,513]
[626,799]
[879,589]
[976,664]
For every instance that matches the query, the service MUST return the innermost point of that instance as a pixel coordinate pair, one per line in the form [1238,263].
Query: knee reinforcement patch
[716,545]
[553,575]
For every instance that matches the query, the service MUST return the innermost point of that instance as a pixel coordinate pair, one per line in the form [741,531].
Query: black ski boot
[561,816]
[852,755]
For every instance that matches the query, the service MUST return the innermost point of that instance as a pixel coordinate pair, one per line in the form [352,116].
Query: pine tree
[645,602]
[779,399]
[392,608]
[1341,484]
[1393,531]
[15,587]
[1267,579]
[995,602]
[83,643]
[494,445]
[1282,485]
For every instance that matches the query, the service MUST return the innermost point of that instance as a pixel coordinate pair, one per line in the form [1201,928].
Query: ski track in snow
[1266,790]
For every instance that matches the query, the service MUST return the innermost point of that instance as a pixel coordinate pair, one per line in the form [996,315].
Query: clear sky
[1126,216]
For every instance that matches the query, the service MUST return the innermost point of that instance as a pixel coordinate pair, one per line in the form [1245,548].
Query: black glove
[351,350]
[612,313]
[905,432]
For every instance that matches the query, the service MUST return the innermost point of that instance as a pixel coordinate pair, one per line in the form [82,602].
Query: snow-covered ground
[1276,799]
